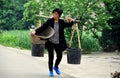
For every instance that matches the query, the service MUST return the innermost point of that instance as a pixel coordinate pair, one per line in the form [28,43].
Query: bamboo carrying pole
[47,17]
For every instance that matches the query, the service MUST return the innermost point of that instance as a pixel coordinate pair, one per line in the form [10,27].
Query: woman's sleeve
[42,28]
[68,24]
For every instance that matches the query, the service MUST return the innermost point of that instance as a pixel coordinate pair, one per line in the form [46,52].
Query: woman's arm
[41,28]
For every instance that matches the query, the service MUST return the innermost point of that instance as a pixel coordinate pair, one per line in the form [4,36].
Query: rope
[78,35]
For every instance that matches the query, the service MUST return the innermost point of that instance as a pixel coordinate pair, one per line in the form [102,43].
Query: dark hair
[58,10]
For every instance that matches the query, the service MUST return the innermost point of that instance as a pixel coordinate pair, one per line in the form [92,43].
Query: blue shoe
[57,70]
[51,74]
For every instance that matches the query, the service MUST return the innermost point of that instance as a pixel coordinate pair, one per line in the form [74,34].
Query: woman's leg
[58,54]
[58,60]
[50,57]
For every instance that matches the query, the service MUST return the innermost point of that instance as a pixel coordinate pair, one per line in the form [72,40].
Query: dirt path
[97,65]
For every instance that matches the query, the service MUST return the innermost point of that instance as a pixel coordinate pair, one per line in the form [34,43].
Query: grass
[16,38]
[21,39]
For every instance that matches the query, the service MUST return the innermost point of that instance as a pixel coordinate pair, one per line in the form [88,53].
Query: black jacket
[62,25]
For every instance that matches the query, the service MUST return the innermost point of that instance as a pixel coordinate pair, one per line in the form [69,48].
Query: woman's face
[55,15]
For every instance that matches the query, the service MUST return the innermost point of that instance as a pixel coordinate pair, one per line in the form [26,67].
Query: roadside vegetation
[16,38]
[99,22]
[21,39]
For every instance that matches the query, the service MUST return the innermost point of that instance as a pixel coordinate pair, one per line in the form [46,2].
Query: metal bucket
[73,56]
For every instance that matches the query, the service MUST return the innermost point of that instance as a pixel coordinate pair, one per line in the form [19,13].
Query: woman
[57,41]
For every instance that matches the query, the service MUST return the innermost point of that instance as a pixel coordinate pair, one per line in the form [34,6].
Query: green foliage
[21,39]
[110,39]
[16,38]
[11,14]
[31,11]
[90,44]
[92,14]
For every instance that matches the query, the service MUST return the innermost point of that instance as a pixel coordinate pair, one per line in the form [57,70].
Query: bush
[89,44]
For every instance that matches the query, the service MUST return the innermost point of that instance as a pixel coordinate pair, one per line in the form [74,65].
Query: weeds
[16,38]
[21,39]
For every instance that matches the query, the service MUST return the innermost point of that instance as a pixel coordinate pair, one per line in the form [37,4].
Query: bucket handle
[77,30]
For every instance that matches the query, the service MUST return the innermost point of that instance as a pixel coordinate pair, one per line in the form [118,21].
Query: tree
[111,37]
[11,14]
[32,9]
[92,14]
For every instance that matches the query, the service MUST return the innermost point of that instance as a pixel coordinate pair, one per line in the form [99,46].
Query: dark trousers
[58,51]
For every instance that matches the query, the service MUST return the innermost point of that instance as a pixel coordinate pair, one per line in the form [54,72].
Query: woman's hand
[33,32]
[69,19]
